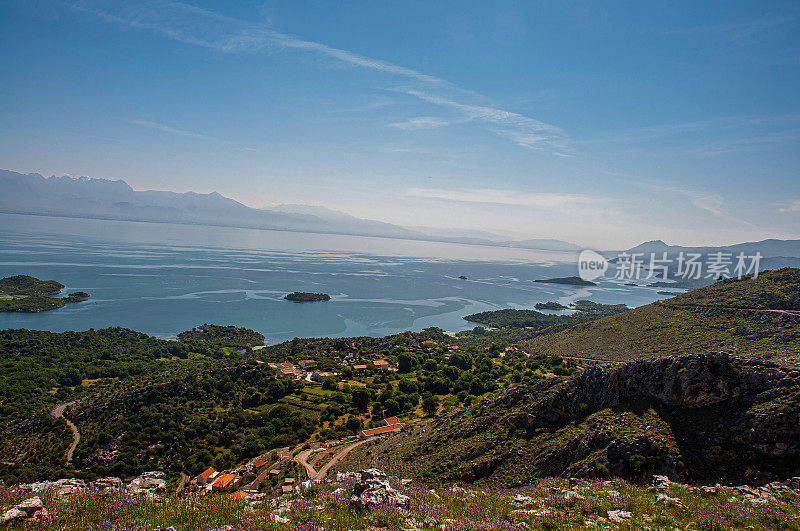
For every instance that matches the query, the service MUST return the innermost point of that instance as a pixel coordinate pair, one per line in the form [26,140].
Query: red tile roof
[391,420]
[223,481]
[238,495]
[380,363]
[208,473]
[383,429]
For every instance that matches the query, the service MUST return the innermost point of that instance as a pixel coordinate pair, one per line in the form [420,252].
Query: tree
[361,399]
[329,384]
[353,423]
[430,404]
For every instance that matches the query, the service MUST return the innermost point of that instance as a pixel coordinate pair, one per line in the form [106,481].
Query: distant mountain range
[116,200]
[771,247]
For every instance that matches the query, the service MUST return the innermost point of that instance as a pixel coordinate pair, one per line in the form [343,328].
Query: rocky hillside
[703,418]
[749,316]
[369,500]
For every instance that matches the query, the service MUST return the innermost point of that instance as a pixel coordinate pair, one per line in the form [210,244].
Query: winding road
[58,413]
[312,473]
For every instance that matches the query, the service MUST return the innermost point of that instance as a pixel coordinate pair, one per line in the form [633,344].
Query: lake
[165,278]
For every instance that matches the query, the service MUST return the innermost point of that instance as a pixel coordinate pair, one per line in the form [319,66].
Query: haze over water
[164,278]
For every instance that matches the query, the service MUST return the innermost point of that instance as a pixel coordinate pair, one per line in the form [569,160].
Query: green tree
[430,404]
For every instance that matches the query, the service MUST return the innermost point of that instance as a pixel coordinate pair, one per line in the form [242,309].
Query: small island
[668,292]
[549,305]
[300,296]
[572,281]
[462,277]
[24,293]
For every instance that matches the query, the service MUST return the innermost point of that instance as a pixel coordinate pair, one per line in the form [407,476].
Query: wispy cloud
[522,130]
[739,30]
[202,27]
[173,130]
[707,201]
[708,138]
[564,203]
[790,205]
[421,122]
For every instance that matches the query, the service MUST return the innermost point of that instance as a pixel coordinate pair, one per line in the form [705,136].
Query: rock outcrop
[31,509]
[373,489]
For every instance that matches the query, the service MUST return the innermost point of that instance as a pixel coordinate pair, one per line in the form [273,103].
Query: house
[286,365]
[274,472]
[390,421]
[359,367]
[383,430]
[223,481]
[307,363]
[205,476]
[288,481]
[286,489]
[238,495]
[258,463]
[381,364]
[289,374]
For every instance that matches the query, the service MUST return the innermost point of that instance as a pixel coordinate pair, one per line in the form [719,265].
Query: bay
[165,278]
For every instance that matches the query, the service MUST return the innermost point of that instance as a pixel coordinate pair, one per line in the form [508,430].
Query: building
[390,425]
[258,463]
[307,363]
[359,367]
[203,478]
[223,481]
[288,374]
[381,364]
[320,376]
[286,489]
[238,495]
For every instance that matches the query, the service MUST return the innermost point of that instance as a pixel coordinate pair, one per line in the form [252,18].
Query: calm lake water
[163,278]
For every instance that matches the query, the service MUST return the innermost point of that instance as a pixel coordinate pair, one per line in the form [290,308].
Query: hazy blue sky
[602,123]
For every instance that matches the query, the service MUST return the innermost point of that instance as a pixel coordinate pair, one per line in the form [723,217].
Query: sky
[601,123]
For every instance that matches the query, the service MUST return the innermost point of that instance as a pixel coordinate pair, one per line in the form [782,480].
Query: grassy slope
[717,317]
[608,421]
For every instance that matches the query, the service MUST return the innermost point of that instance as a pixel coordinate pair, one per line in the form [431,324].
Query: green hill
[703,417]
[748,316]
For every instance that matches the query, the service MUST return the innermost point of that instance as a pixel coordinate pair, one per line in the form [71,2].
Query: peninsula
[24,293]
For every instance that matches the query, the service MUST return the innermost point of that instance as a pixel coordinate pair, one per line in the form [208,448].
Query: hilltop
[748,316]
[703,418]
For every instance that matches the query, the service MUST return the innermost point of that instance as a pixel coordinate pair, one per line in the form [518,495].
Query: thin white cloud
[173,130]
[202,27]
[421,122]
[709,202]
[791,205]
[549,201]
[741,30]
[522,130]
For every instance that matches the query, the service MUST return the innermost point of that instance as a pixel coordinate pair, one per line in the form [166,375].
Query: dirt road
[302,458]
[58,413]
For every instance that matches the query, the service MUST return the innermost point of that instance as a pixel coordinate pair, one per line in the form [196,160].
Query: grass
[542,505]
[724,316]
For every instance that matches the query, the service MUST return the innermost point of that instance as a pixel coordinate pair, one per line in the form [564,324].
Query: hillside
[704,418]
[749,316]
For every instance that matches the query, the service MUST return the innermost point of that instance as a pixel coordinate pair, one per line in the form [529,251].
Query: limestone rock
[373,489]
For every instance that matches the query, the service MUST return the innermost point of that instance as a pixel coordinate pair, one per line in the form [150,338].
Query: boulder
[373,490]
[61,487]
[150,484]
[619,516]
[663,499]
[107,484]
[31,509]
